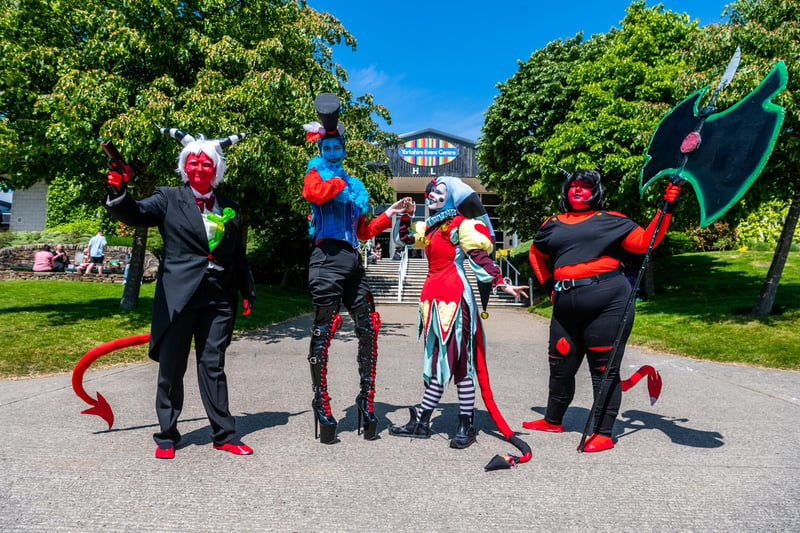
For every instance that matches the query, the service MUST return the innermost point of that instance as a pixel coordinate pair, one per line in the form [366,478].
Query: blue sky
[436,64]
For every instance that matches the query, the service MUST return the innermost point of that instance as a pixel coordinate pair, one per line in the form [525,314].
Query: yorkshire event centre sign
[427,152]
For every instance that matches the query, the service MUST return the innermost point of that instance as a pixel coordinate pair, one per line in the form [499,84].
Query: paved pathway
[718,452]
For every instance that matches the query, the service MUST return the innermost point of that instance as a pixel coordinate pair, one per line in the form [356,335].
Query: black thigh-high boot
[326,322]
[367,324]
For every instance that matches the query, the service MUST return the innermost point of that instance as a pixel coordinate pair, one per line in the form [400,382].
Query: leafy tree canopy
[580,104]
[75,72]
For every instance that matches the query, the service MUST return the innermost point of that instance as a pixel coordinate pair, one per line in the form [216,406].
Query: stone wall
[22,256]
[94,277]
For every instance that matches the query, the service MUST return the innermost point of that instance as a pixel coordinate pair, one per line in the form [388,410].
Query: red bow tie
[207,203]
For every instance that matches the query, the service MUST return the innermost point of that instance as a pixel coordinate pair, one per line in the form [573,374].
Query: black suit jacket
[186,251]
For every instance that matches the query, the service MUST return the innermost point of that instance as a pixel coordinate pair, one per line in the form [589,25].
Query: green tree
[72,73]
[522,117]
[767,32]
[580,104]
[621,95]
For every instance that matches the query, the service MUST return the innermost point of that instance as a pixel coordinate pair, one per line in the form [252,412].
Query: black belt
[567,284]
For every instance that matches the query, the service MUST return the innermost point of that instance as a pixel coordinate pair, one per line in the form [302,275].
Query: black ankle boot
[367,416]
[465,435]
[418,426]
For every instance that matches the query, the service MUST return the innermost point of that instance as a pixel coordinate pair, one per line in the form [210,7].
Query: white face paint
[437,197]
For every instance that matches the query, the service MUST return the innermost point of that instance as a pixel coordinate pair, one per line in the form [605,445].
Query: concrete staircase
[382,278]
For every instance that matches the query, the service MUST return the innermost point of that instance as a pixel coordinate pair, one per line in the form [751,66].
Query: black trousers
[585,323]
[336,274]
[208,319]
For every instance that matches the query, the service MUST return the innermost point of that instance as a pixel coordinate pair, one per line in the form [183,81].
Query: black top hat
[327,106]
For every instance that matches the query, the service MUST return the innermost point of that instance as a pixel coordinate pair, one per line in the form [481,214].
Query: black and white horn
[179,135]
[231,140]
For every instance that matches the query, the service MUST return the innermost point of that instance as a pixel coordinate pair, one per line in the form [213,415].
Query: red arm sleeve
[638,240]
[539,264]
[367,230]
[317,191]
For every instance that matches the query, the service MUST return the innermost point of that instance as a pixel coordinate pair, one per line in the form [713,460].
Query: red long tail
[499,461]
[100,406]
[653,382]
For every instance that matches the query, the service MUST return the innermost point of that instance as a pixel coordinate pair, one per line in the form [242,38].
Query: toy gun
[115,162]
[116,185]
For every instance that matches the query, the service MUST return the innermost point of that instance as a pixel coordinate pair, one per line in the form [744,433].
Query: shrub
[717,237]
[674,243]
[765,225]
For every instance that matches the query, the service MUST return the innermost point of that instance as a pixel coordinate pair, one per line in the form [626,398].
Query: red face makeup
[201,171]
[579,194]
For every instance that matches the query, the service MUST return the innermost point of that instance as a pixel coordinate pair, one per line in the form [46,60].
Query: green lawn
[701,308]
[48,325]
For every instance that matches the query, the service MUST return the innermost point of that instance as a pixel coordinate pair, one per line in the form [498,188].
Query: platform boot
[367,324]
[326,322]
[465,434]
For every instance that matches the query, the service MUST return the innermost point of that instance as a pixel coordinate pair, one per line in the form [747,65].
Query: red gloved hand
[248,306]
[672,192]
[117,182]
[671,196]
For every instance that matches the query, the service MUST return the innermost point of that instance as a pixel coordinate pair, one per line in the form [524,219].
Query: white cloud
[366,80]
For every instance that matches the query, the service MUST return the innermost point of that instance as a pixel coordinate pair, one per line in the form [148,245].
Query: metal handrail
[401,277]
[507,269]
[513,274]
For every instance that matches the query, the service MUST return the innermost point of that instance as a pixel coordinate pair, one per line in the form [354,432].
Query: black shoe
[465,435]
[418,426]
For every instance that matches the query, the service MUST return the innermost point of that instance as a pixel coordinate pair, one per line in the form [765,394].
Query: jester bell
[720,154]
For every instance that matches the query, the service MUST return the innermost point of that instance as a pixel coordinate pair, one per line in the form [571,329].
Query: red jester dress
[448,313]
[449,323]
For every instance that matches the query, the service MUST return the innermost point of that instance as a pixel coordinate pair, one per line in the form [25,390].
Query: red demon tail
[506,460]
[653,382]
[100,406]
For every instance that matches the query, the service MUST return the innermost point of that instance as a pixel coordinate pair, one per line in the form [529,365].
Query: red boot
[543,425]
[598,443]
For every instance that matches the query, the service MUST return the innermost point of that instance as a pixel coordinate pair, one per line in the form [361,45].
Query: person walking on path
[204,265]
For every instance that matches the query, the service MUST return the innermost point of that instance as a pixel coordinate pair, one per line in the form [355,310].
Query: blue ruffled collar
[440,216]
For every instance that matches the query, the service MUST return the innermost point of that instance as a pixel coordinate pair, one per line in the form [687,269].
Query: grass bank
[47,326]
[701,309]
